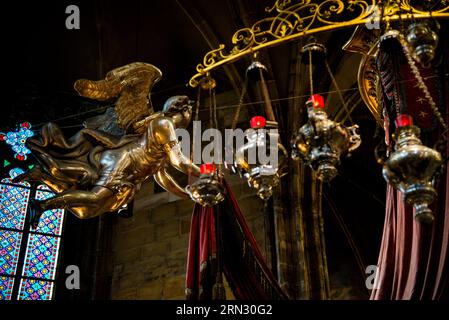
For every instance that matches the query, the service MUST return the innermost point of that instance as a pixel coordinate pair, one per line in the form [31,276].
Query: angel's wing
[132,84]
[106,122]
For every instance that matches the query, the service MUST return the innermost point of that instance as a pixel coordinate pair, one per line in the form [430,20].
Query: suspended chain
[310,72]
[421,82]
[266,97]
[340,95]
[239,106]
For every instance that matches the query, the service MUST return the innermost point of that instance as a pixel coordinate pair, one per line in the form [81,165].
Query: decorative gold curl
[295,19]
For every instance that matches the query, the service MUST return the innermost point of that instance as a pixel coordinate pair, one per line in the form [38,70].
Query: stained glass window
[51,220]
[6,284]
[31,289]
[17,139]
[41,256]
[9,251]
[28,256]
[13,202]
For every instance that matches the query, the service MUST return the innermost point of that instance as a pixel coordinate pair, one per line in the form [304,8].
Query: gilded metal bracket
[366,43]
[296,19]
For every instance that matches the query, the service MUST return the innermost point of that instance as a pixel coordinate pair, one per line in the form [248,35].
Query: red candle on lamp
[207,168]
[403,120]
[257,122]
[317,101]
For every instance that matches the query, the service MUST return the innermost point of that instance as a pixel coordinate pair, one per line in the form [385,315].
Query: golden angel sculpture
[101,168]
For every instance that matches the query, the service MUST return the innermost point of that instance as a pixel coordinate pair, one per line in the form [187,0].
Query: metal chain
[421,82]
[239,106]
[340,95]
[396,101]
[211,118]
[310,72]
[194,146]
[214,99]
[198,103]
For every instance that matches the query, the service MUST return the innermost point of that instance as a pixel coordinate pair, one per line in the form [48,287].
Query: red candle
[317,101]
[257,122]
[403,120]
[207,168]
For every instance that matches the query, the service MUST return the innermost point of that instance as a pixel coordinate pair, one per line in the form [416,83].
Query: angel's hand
[167,182]
[181,162]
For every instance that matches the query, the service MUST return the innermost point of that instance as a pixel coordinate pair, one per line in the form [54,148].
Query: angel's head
[179,108]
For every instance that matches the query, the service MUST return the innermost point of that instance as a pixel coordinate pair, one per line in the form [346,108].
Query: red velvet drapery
[243,264]
[414,258]
[413,261]
[202,253]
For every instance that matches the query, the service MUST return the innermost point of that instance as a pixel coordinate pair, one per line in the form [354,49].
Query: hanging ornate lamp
[262,177]
[262,137]
[423,41]
[411,168]
[321,142]
[207,190]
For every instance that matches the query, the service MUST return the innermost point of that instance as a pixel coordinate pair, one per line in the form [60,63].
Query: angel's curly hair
[176,103]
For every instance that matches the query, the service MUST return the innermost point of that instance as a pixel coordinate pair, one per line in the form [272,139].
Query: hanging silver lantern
[423,41]
[207,190]
[261,176]
[321,142]
[411,168]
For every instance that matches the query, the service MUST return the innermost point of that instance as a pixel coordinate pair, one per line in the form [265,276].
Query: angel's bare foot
[21,177]
[36,211]
[30,175]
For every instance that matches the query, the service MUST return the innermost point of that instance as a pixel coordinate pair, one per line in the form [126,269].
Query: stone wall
[150,248]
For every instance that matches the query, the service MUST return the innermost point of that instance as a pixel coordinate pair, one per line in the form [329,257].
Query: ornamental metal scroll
[295,19]
[365,42]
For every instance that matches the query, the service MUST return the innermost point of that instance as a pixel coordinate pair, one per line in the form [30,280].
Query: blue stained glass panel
[14,172]
[41,256]
[17,139]
[51,220]
[41,250]
[9,251]
[35,290]
[6,284]
[13,205]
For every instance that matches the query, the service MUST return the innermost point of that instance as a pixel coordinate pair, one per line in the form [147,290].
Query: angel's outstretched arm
[165,134]
[166,181]
[180,161]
